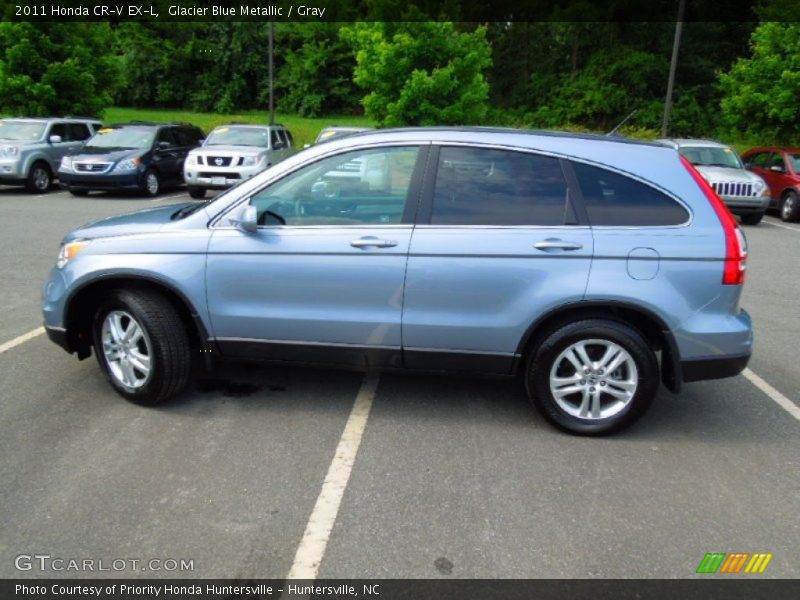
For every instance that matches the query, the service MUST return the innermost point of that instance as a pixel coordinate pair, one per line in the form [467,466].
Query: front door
[321,280]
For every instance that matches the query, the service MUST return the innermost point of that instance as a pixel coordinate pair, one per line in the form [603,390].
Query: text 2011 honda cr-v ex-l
[596,267]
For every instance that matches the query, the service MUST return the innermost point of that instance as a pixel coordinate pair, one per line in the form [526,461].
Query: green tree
[760,94]
[421,73]
[57,68]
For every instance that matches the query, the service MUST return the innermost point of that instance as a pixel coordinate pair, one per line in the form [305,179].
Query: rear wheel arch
[84,302]
[649,325]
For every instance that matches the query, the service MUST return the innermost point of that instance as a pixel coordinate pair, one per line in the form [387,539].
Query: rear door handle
[372,242]
[556,244]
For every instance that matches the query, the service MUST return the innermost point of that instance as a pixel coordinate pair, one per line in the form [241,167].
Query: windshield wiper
[187,210]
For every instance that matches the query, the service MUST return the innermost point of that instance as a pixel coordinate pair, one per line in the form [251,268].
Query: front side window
[612,199]
[365,187]
[60,129]
[759,160]
[78,132]
[479,186]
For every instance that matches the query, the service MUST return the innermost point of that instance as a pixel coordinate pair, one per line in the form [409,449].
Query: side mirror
[247,220]
[163,145]
[776,168]
[55,139]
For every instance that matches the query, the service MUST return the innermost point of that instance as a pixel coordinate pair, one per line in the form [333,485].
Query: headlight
[129,164]
[191,159]
[251,161]
[66,164]
[9,151]
[69,250]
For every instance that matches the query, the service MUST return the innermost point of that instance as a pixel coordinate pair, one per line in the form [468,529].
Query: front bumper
[740,205]
[102,181]
[218,178]
[12,171]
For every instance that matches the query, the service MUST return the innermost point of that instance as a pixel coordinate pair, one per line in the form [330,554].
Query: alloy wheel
[127,350]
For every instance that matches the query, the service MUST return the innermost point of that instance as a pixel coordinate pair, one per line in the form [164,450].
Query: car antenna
[613,132]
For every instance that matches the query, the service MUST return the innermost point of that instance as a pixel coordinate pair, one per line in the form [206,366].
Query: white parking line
[782,226]
[318,530]
[157,198]
[770,391]
[21,339]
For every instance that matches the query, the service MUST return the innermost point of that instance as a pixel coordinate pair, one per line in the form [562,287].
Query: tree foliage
[57,68]
[421,73]
[760,94]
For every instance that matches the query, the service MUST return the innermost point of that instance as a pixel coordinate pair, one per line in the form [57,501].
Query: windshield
[124,137]
[327,135]
[21,131]
[238,136]
[711,156]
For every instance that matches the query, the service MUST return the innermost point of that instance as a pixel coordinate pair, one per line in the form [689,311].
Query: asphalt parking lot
[453,477]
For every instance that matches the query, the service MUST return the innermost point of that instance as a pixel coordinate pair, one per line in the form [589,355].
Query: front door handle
[556,244]
[372,242]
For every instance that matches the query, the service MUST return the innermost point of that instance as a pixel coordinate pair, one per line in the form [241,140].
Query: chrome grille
[724,188]
[92,167]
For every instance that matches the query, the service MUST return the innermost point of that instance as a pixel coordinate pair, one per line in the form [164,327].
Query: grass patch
[303,129]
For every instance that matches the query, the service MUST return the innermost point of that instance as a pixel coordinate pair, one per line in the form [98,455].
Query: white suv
[233,153]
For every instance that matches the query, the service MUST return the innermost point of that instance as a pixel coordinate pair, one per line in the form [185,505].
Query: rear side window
[612,199]
[479,186]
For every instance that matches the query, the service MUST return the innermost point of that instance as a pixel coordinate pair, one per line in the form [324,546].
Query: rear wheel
[39,179]
[790,207]
[752,219]
[197,192]
[592,377]
[142,346]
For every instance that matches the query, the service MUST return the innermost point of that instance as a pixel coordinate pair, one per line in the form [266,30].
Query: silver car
[32,148]
[744,192]
[234,153]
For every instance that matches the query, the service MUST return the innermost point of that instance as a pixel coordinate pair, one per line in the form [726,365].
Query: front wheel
[142,346]
[790,207]
[752,219]
[151,184]
[593,377]
[197,192]
[39,179]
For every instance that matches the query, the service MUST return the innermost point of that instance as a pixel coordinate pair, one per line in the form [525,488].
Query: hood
[223,150]
[106,154]
[728,175]
[149,220]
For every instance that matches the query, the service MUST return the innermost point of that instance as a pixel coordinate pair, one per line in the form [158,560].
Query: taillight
[735,246]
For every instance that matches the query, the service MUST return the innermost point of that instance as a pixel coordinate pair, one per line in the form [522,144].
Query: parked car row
[138,156]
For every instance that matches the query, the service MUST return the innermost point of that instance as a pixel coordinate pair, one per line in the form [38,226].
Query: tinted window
[477,186]
[777,161]
[365,187]
[187,136]
[78,132]
[60,129]
[289,137]
[167,135]
[614,199]
[276,141]
[758,160]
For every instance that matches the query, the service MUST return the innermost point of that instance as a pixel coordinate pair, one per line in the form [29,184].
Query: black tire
[542,360]
[790,207]
[80,193]
[151,183]
[39,179]
[169,348]
[197,192]
[752,219]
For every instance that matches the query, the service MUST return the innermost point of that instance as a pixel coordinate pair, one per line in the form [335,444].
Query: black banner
[733,588]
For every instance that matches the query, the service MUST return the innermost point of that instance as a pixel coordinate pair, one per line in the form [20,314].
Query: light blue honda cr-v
[596,267]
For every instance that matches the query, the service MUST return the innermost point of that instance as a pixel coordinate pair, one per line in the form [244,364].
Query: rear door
[498,243]
[321,280]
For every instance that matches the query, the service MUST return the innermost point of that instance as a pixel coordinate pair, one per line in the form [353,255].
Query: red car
[780,168]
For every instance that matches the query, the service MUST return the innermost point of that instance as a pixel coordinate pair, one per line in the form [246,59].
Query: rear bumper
[700,369]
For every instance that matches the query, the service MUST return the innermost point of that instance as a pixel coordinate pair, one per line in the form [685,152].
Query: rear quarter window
[613,199]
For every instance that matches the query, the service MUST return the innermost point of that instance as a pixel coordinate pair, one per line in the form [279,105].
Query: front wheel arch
[81,305]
